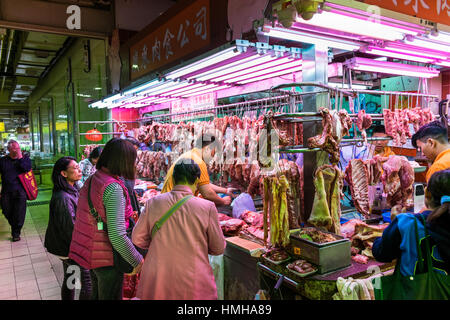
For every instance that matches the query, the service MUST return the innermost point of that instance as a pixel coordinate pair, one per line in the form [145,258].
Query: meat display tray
[329,256]
[302,274]
[276,262]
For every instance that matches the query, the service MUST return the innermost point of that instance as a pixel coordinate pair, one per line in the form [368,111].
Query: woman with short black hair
[177,265]
[63,206]
[94,237]
[87,166]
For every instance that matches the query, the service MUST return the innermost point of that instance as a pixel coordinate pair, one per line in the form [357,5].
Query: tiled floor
[27,270]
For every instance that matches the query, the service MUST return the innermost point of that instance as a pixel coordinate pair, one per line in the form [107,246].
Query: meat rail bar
[302,149]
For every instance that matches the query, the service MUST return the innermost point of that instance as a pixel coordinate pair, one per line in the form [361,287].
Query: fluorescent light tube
[428,44]
[306,38]
[401,69]
[218,57]
[398,55]
[284,66]
[351,24]
[271,75]
[413,50]
[141,87]
[205,91]
[258,67]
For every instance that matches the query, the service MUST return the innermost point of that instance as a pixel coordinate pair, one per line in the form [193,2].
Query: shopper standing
[91,246]
[13,194]
[63,206]
[87,166]
[399,238]
[177,265]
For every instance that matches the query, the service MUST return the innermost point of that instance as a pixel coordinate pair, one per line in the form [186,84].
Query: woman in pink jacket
[177,266]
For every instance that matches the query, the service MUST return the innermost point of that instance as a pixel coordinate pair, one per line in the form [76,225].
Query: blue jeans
[107,283]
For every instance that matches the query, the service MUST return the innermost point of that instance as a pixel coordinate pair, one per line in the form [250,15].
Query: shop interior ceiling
[25,58]
[349,32]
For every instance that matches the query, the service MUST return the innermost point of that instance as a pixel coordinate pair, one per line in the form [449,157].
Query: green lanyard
[167,215]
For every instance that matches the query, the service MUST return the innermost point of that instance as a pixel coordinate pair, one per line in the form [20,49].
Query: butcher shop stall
[313,120]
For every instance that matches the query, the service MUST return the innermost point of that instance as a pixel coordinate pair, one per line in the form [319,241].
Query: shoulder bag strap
[92,210]
[167,215]
[427,245]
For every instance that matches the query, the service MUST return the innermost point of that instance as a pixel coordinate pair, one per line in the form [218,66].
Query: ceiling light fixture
[393,68]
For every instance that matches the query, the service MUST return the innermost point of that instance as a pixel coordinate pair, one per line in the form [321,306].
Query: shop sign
[193,106]
[437,11]
[2,126]
[186,32]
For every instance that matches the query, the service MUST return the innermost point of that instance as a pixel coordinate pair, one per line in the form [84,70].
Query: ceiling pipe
[11,38]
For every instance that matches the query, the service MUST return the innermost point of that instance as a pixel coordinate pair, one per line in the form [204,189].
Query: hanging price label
[297,251]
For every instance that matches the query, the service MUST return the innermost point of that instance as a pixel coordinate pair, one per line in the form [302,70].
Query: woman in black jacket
[58,236]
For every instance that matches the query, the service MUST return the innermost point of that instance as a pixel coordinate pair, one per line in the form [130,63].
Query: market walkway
[27,271]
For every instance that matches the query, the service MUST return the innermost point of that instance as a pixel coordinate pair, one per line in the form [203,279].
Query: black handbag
[119,262]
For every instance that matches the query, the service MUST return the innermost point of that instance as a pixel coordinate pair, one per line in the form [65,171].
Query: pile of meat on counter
[249,226]
[148,195]
[362,236]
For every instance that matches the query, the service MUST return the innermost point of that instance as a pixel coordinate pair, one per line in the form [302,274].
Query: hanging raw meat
[335,126]
[326,210]
[357,176]
[398,179]
[363,122]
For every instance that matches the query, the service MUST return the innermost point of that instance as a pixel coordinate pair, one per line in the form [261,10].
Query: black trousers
[68,289]
[107,283]
[14,207]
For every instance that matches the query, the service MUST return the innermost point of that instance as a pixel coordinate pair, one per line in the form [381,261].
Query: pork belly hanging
[357,176]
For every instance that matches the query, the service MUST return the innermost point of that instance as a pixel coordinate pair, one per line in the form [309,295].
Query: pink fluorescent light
[300,36]
[443,63]
[429,44]
[192,86]
[288,65]
[246,63]
[197,89]
[173,86]
[400,69]
[272,75]
[218,57]
[205,91]
[258,67]
[356,24]
[393,54]
[229,73]
[402,48]
[412,26]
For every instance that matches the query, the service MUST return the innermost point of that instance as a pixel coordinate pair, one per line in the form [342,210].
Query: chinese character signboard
[187,32]
[193,106]
[433,10]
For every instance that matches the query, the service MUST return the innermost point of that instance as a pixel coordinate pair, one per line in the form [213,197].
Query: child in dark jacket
[399,238]
[58,236]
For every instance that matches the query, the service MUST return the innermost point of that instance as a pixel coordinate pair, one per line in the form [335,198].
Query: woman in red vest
[93,239]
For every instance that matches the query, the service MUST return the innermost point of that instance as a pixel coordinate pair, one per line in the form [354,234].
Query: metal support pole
[315,73]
